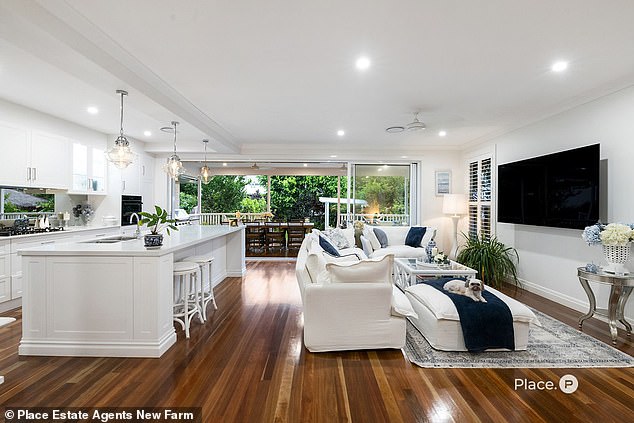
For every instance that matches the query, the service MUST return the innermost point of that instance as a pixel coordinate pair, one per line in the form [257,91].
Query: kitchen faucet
[137,233]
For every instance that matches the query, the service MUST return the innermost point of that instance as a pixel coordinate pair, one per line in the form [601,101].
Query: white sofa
[395,242]
[348,315]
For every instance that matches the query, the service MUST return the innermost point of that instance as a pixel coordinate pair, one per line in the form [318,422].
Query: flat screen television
[558,190]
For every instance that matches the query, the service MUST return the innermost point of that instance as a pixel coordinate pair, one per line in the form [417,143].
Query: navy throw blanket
[484,325]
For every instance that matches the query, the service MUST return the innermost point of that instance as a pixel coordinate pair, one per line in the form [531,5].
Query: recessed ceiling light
[559,66]
[224,164]
[305,164]
[362,63]
[442,133]
[147,133]
[332,156]
[341,132]
[403,157]
[92,110]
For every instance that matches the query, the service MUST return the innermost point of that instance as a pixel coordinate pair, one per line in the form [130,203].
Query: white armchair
[347,315]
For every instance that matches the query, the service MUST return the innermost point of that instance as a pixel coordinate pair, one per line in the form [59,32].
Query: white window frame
[478,202]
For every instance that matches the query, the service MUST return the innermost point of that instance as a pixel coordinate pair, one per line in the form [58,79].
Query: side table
[620,290]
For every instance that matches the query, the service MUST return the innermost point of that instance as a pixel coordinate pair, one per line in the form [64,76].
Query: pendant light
[205,172]
[174,166]
[121,155]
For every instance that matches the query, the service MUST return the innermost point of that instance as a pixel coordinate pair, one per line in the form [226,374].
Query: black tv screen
[558,190]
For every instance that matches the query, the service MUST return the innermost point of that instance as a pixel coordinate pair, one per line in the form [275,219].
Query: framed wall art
[443,182]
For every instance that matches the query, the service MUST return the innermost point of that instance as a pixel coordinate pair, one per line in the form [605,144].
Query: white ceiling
[277,78]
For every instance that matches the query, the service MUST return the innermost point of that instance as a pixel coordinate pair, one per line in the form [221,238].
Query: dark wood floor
[248,364]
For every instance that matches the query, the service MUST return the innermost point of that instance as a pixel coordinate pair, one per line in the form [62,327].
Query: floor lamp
[455,205]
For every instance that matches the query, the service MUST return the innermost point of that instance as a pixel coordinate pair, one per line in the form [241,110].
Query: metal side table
[620,289]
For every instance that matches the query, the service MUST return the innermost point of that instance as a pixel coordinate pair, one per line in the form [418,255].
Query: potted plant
[494,261]
[156,222]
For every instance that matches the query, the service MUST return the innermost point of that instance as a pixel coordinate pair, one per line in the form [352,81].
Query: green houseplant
[494,261]
[156,222]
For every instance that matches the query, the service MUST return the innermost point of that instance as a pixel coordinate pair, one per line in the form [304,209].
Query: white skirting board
[562,299]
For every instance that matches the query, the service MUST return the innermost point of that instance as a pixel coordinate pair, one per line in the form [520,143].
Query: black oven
[130,204]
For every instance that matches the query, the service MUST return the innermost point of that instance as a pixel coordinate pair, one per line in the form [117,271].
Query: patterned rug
[554,344]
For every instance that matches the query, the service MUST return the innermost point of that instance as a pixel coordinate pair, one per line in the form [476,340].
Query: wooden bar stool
[186,294]
[205,266]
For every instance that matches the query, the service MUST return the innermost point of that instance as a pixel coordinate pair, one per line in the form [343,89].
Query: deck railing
[379,219]
[219,218]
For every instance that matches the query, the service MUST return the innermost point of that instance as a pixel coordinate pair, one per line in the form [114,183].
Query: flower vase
[617,256]
[430,246]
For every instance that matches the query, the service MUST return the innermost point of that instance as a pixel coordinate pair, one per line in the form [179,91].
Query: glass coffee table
[409,271]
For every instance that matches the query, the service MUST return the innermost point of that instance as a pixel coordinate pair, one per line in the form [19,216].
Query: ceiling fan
[415,125]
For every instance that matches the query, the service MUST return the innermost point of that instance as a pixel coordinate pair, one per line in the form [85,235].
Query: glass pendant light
[174,166]
[205,172]
[121,155]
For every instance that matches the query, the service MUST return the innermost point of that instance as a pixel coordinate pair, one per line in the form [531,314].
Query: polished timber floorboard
[248,364]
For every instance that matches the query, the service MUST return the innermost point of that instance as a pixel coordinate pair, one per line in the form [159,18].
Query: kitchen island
[103,299]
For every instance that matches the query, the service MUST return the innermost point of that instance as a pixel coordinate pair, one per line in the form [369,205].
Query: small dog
[471,288]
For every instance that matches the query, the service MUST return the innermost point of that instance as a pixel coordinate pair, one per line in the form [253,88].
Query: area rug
[554,344]
[6,321]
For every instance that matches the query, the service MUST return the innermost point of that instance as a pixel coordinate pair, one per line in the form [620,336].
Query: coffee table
[407,271]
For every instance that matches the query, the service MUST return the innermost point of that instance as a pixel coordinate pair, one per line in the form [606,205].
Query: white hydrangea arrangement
[618,234]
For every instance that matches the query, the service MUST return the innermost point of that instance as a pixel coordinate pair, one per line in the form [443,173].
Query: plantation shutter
[480,197]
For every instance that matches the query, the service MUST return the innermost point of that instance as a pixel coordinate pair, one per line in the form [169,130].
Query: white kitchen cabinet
[14,143]
[33,158]
[49,155]
[88,170]
[5,271]
[131,179]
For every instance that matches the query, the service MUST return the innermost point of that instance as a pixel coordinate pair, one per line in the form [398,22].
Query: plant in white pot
[156,222]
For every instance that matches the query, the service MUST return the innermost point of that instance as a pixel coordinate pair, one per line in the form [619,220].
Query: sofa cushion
[369,234]
[370,270]
[381,236]
[415,236]
[357,252]
[327,246]
[337,238]
[400,251]
[400,304]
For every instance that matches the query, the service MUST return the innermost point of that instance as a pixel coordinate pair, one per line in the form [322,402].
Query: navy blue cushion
[415,236]
[328,247]
[381,236]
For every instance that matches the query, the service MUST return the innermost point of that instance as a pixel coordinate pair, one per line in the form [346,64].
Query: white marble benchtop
[186,236]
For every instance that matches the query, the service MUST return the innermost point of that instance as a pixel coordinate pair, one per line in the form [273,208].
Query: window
[480,197]
[383,193]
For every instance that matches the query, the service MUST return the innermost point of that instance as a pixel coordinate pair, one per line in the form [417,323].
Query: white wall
[431,205]
[548,256]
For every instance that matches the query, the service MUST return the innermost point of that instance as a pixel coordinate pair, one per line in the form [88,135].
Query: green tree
[253,205]
[223,193]
[384,194]
[297,197]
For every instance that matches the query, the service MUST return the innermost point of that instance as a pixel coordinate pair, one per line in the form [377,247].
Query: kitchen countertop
[186,236]
[67,230]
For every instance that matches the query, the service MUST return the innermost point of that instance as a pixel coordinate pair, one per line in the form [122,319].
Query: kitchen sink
[111,240]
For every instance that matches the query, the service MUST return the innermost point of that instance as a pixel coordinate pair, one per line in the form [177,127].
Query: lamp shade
[454,204]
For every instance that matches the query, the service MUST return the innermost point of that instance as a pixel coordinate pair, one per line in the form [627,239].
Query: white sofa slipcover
[348,316]
[396,242]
